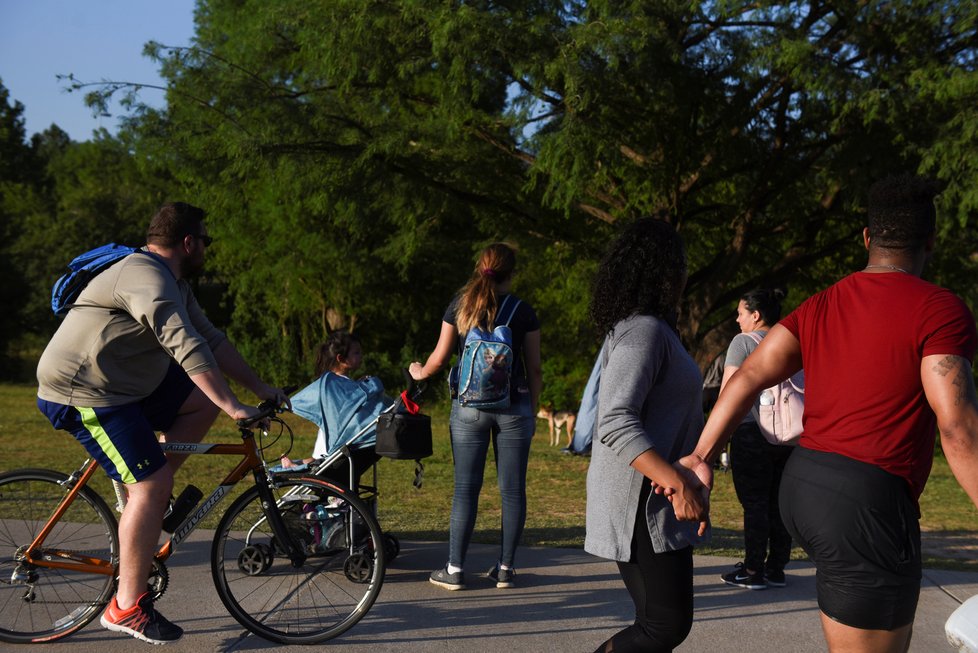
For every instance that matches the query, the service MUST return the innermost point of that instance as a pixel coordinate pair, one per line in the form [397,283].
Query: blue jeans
[511,429]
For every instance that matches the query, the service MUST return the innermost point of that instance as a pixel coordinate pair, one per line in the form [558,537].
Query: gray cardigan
[650,397]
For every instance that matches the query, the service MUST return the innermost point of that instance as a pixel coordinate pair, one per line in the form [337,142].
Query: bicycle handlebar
[266,409]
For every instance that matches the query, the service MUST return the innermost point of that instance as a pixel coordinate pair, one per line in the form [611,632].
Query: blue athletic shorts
[860,526]
[123,438]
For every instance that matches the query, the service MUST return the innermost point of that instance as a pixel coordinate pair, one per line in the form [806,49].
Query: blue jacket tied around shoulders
[341,408]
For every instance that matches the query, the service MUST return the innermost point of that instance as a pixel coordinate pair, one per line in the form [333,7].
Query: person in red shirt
[887,358]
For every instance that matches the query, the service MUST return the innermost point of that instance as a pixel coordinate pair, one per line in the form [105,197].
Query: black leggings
[757,469]
[661,586]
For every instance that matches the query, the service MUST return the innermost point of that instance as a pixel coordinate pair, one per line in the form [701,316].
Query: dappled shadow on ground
[955,550]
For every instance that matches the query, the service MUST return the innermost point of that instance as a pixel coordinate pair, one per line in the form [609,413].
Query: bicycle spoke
[39,602]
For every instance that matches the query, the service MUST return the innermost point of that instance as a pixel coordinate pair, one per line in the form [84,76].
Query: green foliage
[364,150]
[355,154]
[15,161]
[88,194]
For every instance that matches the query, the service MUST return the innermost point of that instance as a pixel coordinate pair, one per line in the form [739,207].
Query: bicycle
[295,559]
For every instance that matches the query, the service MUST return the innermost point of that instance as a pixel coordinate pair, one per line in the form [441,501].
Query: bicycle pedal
[181,507]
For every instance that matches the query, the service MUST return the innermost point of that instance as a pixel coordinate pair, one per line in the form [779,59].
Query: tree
[16,165]
[357,152]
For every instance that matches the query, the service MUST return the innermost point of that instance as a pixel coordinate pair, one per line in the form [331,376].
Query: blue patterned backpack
[486,362]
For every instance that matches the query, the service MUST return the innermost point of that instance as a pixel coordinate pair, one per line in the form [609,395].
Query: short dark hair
[172,222]
[642,274]
[901,213]
[766,301]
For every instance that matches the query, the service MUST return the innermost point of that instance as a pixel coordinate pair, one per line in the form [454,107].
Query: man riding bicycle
[135,356]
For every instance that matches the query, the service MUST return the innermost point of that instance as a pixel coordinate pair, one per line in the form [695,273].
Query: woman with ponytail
[478,304]
[757,464]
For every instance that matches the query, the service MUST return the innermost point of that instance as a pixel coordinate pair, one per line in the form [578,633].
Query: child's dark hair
[337,344]
[766,301]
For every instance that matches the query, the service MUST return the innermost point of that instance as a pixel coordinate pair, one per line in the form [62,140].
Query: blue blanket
[341,408]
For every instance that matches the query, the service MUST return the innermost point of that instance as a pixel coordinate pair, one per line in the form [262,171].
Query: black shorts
[859,525]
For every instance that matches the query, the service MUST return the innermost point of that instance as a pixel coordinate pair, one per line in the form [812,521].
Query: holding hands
[691,501]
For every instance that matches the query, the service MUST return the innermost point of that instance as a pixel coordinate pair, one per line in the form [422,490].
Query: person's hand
[416,370]
[699,467]
[688,501]
[699,477]
[244,412]
[275,395]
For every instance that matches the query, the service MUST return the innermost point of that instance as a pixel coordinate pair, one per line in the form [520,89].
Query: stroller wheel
[255,559]
[392,546]
[358,568]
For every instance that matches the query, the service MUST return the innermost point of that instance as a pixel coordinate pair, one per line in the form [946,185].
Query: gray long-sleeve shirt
[650,398]
[115,346]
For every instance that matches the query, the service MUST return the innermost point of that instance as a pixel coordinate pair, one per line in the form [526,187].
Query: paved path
[566,601]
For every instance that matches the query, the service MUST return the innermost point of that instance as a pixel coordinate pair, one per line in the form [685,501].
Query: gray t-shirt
[115,346]
[740,348]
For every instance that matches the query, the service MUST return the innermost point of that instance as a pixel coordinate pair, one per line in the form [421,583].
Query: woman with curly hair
[483,302]
[649,415]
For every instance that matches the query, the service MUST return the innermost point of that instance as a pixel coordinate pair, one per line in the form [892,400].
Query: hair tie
[489,273]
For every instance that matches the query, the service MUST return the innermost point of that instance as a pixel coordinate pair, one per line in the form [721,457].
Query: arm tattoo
[962,380]
[945,365]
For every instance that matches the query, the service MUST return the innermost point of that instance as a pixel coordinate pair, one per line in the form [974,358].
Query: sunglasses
[207,240]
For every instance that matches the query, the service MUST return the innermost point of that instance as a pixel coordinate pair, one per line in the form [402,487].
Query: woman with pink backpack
[756,462]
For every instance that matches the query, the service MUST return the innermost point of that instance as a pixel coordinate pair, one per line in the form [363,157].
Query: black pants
[757,469]
[661,586]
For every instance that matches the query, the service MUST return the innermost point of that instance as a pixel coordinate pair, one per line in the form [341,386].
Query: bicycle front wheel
[39,603]
[311,600]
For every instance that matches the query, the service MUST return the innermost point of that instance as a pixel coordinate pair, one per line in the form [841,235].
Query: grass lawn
[555,486]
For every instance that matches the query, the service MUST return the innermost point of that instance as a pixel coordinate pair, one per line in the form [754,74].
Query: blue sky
[93,39]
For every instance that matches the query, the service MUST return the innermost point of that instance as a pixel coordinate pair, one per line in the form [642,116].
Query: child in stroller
[346,411]
[342,408]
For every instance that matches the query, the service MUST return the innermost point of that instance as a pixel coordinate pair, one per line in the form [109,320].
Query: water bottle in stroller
[327,525]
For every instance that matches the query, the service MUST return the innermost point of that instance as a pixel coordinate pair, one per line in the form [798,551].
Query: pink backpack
[781,407]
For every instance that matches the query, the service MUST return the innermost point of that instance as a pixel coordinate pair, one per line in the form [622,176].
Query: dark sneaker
[141,621]
[503,577]
[740,578]
[442,578]
[775,577]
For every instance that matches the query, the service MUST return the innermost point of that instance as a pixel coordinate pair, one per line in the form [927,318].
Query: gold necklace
[888,267]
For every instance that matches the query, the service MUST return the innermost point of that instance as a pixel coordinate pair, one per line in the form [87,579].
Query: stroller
[358,425]
[337,554]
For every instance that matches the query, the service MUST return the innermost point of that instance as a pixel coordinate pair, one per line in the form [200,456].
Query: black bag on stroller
[403,436]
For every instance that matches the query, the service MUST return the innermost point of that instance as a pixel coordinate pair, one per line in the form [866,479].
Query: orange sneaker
[141,621]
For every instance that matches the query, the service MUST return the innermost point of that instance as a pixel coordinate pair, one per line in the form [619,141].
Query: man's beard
[191,267]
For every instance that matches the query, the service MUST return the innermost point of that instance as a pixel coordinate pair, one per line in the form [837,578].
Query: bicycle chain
[158,571]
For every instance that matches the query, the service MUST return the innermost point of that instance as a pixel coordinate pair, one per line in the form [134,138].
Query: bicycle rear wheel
[325,595]
[37,603]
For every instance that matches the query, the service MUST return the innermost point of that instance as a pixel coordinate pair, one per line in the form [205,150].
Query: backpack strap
[511,313]
[756,337]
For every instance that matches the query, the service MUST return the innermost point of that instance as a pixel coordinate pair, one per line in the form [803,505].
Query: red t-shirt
[862,341]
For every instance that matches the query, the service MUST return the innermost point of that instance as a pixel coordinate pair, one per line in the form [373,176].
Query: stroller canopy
[342,408]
